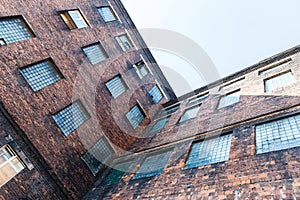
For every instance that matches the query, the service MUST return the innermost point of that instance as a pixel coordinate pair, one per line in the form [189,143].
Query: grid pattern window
[155,94]
[141,69]
[95,53]
[170,109]
[153,165]
[71,117]
[190,113]
[229,99]
[198,98]
[135,116]
[232,84]
[10,164]
[14,29]
[116,174]
[160,124]
[74,19]
[41,74]
[277,135]
[97,155]
[273,67]
[116,86]
[124,42]
[279,81]
[107,14]
[209,151]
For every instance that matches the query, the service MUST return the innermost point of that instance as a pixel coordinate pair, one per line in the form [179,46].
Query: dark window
[153,165]
[197,99]
[116,174]
[97,155]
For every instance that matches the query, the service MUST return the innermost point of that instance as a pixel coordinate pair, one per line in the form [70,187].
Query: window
[116,174]
[124,42]
[197,98]
[277,135]
[155,94]
[190,113]
[135,116]
[229,99]
[141,69]
[10,164]
[71,117]
[74,19]
[232,84]
[153,165]
[170,109]
[275,66]
[14,29]
[97,155]
[209,151]
[116,86]
[41,74]
[107,14]
[279,81]
[95,53]
[160,124]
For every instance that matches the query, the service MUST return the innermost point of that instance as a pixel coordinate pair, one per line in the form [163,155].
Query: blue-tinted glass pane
[12,30]
[209,151]
[153,165]
[41,75]
[70,118]
[155,94]
[277,135]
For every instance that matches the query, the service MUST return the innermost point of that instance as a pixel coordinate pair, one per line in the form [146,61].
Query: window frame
[14,156]
[82,108]
[52,64]
[150,174]
[275,76]
[141,110]
[122,45]
[101,166]
[25,24]
[203,139]
[70,22]
[113,12]
[187,109]
[123,83]
[236,82]
[151,96]
[157,121]
[137,67]
[100,45]
[274,66]
[227,94]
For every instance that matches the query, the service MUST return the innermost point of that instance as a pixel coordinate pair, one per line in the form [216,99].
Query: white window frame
[9,161]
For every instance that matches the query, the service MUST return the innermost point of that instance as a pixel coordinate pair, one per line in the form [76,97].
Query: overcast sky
[234,33]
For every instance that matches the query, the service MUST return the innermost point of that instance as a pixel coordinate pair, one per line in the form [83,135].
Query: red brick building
[236,138]
[77,87]
[82,117]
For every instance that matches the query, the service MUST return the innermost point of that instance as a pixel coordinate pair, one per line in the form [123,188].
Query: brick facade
[246,174]
[33,111]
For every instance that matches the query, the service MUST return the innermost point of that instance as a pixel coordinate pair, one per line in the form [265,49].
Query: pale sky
[234,33]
